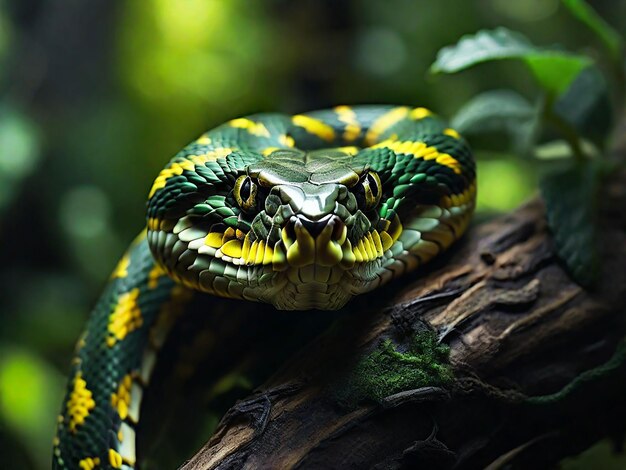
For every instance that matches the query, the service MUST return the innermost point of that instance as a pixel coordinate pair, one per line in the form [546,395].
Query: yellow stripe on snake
[303,212]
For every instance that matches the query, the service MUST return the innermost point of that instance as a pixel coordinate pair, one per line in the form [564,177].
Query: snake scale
[303,212]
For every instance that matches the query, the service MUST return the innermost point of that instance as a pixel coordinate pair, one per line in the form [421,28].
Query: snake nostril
[314,227]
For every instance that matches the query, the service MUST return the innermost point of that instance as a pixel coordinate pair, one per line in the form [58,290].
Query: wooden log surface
[533,355]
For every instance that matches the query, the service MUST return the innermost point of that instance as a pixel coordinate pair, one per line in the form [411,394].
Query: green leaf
[499,111]
[586,14]
[553,69]
[483,46]
[493,110]
[571,199]
[586,105]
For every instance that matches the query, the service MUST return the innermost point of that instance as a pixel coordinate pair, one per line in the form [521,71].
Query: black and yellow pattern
[300,211]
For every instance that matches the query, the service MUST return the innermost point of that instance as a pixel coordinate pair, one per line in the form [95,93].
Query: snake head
[300,229]
[287,229]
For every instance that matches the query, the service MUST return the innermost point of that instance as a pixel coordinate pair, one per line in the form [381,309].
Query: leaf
[586,105]
[553,69]
[483,46]
[587,15]
[571,198]
[499,111]
[492,110]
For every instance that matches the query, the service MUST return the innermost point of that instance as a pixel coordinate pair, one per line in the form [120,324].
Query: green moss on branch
[388,370]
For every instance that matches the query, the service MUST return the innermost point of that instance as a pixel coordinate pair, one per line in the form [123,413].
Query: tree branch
[536,375]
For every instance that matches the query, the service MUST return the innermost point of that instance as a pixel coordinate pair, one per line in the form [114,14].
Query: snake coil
[301,211]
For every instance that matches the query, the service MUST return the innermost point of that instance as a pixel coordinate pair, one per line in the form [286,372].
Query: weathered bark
[518,327]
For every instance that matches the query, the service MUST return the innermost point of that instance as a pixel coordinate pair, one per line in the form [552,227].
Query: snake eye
[245,191]
[369,191]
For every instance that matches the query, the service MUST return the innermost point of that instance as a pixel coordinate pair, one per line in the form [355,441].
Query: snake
[299,211]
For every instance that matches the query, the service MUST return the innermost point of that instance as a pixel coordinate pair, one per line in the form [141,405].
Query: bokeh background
[96,96]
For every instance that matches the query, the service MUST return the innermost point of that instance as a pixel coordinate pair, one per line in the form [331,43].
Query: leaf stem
[567,131]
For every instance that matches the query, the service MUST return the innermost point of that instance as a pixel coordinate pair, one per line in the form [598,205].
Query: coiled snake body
[300,211]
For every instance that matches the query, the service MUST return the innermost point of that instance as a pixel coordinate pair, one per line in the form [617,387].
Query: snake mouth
[319,263]
[320,242]
[301,242]
[200,256]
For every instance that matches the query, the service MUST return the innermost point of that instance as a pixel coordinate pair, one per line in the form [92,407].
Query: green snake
[303,212]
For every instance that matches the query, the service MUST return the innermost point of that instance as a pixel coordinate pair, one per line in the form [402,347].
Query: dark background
[97,95]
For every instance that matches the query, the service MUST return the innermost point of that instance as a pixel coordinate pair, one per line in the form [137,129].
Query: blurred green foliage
[97,96]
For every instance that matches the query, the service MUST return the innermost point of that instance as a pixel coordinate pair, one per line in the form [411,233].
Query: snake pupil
[245,192]
[246,189]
